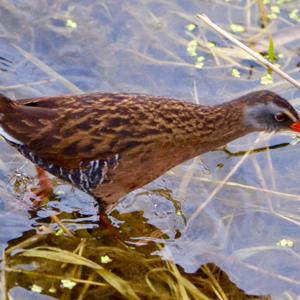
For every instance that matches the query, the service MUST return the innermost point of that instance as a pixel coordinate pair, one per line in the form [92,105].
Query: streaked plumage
[109,144]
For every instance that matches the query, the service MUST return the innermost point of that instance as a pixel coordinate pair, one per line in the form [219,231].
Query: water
[140,46]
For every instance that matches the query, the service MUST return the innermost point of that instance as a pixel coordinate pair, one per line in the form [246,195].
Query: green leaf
[294,15]
[266,79]
[235,73]
[71,24]
[190,27]
[237,28]
[64,256]
[271,51]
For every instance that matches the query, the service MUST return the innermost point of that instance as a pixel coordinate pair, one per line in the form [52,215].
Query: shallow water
[140,46]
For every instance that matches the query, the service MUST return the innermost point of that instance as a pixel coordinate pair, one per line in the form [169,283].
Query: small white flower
[36,288]
[285,243]
[67,283]
[235,73]
[105,259]
[190,27]
[71,24]
[236,28]
[266,79]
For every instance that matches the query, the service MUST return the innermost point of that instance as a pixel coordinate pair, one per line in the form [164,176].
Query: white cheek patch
[8,137]
[290,115]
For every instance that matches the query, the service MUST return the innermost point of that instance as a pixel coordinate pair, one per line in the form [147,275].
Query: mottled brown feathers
[109,144]
[103,123]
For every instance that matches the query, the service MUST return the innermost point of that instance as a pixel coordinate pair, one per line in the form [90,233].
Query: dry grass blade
[64,256]
[55,219]
[185,285]
[187,177]
[89,281]
[3,279]
[274,275]
[262,181]
[180,287]
[215,284]
[85,287]
[256,55]
[24,85]
[245,253]
[183,288]
[251,188]
[45,68]
[27,243]
[263,13]
[222,183]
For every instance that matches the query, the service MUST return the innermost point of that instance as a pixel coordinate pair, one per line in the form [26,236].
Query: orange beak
[295,126]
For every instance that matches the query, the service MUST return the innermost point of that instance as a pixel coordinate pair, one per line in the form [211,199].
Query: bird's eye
[280,117]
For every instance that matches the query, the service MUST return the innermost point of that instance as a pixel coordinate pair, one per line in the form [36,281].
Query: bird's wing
[60,130]
[69,130]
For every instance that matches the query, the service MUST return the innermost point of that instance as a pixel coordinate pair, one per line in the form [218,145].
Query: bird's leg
[104,221]
[45,187]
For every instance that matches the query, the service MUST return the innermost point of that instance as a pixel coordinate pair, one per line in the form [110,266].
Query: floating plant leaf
[200,62]
[36,288]
[211,45]
[71,24]
[67,283]
[235,73]
[293,15]
[266,79]
[285,243]
[236,28]
[105,259]
[191,27]
[192,48]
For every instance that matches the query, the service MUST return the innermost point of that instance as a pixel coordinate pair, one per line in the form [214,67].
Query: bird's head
[267,111]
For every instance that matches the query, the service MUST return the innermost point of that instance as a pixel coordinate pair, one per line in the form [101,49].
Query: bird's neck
[214,126]
[224,124]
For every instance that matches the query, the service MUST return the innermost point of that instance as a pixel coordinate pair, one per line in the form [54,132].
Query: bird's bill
[295,126]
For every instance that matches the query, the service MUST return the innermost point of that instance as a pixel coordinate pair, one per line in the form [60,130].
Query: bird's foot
[45,191]
[105,223]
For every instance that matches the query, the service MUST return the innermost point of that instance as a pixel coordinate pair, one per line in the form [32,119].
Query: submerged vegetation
[85,269]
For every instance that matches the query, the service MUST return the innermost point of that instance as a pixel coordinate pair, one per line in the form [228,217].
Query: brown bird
[109,144]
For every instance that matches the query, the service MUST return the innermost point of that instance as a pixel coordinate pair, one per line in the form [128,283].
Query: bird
[109,144]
